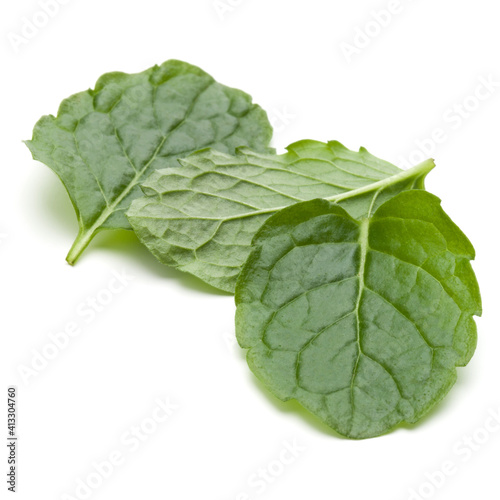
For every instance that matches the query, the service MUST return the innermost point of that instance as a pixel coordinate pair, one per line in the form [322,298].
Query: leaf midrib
[414,172]
[363,244]
[86,234]
[110,209]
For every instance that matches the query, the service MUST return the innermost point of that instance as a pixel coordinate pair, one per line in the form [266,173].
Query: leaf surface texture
[363,321]
[201,218]
[105,142]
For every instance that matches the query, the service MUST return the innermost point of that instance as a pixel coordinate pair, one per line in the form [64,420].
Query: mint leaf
[201,218]
[105,142]
[362,321]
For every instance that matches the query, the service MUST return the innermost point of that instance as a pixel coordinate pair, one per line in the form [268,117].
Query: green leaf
[201,219]
[105,142]
[362,321]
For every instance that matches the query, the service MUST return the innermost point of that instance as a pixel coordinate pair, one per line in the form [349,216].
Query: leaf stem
[80,244]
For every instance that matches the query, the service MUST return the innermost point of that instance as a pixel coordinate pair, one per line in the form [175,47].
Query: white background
[167,335]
